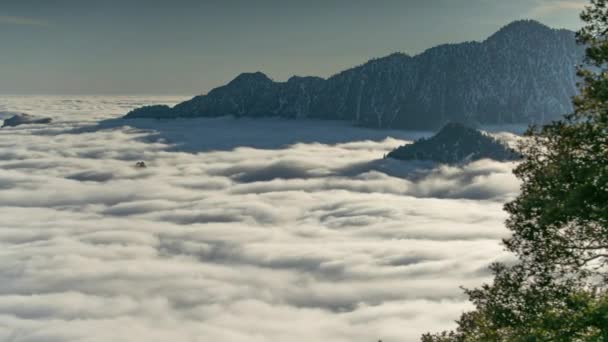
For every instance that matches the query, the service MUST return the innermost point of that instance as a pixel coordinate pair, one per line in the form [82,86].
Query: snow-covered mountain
[523,73]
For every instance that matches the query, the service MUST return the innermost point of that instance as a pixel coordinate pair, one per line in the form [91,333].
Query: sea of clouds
[238,230]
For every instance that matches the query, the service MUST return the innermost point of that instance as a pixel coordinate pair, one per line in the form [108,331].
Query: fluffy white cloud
[271,230]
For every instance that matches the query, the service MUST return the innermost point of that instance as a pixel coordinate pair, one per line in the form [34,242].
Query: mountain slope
[523,73]
[455,143]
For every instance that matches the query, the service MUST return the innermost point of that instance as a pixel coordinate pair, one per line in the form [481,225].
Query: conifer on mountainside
[557,291]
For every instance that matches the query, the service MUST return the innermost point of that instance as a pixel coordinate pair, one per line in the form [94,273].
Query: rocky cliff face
[524,73]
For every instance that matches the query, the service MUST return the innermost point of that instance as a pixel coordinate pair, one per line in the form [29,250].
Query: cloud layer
[322,240]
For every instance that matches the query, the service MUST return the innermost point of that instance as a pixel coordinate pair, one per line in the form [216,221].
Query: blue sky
[188,47]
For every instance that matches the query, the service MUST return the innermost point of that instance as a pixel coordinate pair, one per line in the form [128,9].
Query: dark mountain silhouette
[25,119]
[455,143]
[524,73]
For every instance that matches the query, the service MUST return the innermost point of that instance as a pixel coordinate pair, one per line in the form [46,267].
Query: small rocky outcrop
[25,119]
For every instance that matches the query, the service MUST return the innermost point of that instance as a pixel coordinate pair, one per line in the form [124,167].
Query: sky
[187,47]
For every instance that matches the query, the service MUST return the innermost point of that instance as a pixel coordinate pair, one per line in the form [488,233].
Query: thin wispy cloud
[545,7]
[15,20]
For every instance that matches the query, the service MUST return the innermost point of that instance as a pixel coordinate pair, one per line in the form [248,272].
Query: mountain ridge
[523,73]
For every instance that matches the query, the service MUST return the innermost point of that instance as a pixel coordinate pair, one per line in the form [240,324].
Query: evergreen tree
[559,223]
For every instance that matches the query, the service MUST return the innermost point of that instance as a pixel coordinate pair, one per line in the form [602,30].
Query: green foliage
[522,307]
[559,223]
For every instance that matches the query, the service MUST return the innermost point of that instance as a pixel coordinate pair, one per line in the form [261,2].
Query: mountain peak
[455,126]
[521,27]
[248,77]
[455,143]
[525,23]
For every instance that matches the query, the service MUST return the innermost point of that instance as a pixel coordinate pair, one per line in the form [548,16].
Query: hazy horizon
[189,47]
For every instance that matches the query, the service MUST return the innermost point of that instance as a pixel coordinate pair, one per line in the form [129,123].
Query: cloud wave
[322,240]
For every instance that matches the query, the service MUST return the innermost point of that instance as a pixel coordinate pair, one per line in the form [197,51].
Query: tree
[518,308]
[559,223]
